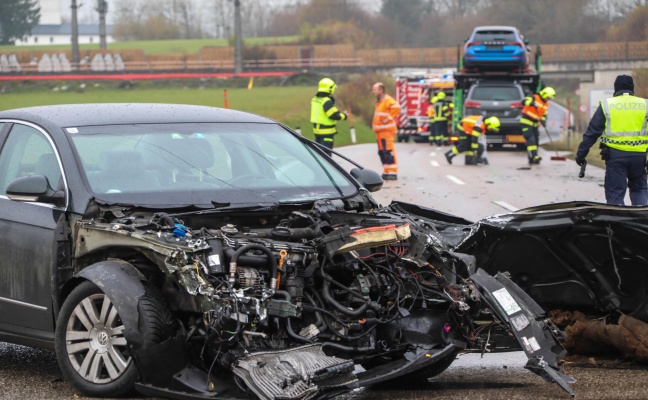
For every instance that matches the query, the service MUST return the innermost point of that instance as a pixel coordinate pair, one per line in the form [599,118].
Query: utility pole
[238,48]
[102,9]
[75,35]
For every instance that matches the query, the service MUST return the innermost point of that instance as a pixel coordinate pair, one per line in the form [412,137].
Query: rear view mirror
[368,178]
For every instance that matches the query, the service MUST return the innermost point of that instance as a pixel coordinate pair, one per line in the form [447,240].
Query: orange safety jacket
[473,125]
[535,109]
[385,115]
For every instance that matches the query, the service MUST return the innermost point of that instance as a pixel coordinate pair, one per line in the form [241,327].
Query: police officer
[324,114]
[470,129]
[620,122]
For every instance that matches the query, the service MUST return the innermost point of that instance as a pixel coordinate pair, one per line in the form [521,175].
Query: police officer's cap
[623,82]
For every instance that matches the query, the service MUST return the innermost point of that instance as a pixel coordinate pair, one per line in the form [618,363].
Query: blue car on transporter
[496,46]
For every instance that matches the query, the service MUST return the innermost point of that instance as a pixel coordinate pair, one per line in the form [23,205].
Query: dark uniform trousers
[623,168]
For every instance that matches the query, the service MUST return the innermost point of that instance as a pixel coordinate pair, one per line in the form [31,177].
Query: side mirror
[526,41]
[368,178]
[466,39]
[33,188]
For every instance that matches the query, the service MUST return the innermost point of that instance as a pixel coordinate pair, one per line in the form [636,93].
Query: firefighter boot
[535,160]
[482,160]
[449,155]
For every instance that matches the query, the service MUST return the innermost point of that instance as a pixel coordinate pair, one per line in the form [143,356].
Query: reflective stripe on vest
[625,123]
[469,123]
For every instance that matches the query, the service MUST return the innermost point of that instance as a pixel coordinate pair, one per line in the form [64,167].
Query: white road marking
[456,180]
[433,154]
[505,205]
[434,163]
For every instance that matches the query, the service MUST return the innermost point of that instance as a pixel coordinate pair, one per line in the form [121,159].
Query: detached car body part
[581,256]
[195,252]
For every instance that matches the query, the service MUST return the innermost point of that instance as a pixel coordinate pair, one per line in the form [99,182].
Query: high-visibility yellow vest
[322,124]
[625,123]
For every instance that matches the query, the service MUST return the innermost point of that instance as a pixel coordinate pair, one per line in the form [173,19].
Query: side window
[27,152]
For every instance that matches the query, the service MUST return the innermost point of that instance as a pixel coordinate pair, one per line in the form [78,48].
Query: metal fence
[305,58]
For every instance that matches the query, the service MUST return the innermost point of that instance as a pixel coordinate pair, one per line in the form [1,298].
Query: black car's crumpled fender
[537,335]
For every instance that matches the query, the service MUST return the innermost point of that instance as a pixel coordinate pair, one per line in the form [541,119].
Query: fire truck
[413,92]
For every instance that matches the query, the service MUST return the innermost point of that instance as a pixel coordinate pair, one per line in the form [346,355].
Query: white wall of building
[61,39]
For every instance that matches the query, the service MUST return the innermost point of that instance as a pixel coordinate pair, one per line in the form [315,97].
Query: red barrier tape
[170,75]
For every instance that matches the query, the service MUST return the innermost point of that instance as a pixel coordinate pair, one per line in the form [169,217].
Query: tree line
[363,23]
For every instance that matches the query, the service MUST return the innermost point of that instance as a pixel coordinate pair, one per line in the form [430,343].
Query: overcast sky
[87,14]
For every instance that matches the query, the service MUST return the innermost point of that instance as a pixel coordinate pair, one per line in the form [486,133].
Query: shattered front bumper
[537,335]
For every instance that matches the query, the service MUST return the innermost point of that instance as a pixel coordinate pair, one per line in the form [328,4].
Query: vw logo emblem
[102,339]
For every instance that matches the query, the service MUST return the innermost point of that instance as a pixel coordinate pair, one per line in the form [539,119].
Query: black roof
[68,115]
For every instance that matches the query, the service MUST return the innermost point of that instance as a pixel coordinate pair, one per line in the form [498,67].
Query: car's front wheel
[90,345]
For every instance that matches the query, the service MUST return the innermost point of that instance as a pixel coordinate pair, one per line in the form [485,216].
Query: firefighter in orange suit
[384,124]
[471,128]
[535,113]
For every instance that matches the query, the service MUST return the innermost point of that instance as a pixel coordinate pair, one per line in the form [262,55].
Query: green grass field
[162,46]
[289,105]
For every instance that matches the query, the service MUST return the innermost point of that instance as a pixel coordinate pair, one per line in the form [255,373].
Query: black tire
[402,138]
[422,375]
[97,347]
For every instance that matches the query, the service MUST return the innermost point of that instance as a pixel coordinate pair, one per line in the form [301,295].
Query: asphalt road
[478,191]
[472,192]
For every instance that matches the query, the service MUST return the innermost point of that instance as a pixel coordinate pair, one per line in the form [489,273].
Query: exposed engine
[319,290]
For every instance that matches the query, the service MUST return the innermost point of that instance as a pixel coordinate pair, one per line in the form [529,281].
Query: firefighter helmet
[326,85]
[547,93]
[441,95]
[492,123]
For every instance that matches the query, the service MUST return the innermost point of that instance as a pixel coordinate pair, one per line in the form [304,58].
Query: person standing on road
[620,122]
[441,114]
[384,124]
[431,127]
[534,113]
[324,114]
[471,128]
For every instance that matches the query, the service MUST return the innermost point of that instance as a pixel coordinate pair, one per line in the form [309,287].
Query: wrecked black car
[193,252]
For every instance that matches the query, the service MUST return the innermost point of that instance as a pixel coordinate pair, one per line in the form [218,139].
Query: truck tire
[402,137]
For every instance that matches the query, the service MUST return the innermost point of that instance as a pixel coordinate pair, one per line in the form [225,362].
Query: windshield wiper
[227,207]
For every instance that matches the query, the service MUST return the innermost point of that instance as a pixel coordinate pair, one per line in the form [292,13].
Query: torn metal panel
[538,337]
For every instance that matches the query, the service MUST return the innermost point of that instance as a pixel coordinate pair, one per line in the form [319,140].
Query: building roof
[66,29]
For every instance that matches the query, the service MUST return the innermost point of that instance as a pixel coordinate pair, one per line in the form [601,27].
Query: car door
[27,244]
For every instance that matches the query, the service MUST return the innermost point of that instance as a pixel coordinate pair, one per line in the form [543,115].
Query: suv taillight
[517,104]
[472,43]
[517,44]
[473,104]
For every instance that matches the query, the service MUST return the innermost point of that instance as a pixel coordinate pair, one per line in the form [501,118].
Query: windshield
[496,93]
[204,163]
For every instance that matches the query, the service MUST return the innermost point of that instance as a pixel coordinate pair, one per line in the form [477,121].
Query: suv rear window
[494,36]
[499,93]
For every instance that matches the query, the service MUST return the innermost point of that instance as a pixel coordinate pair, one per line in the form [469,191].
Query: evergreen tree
[17,18]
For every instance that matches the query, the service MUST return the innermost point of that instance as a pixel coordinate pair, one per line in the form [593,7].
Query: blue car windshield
[201,164]
[494,36]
